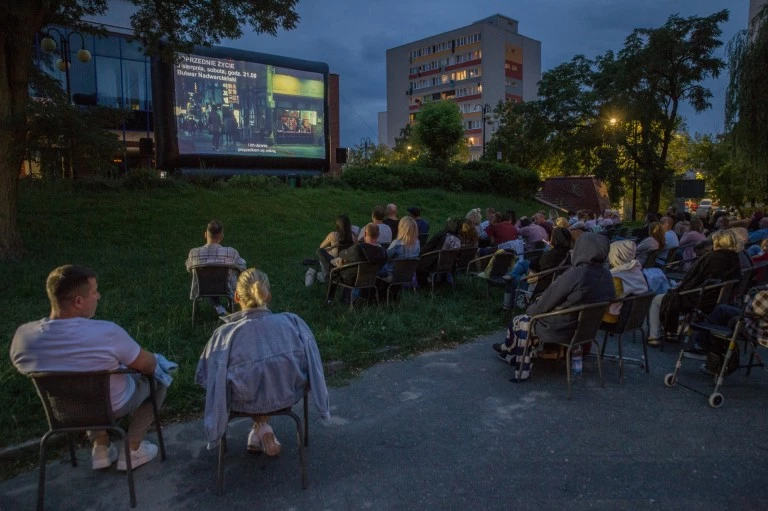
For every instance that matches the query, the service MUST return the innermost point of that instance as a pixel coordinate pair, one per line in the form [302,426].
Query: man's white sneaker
[102,456]
[146,452]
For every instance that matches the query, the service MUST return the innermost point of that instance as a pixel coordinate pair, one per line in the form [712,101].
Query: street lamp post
[634,173]
[486,119]
[365,142]
[49,44]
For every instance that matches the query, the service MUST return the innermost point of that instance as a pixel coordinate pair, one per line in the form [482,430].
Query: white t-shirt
[385,233]
[77,345]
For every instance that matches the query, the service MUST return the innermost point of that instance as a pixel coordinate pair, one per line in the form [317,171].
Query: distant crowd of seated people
[667,256]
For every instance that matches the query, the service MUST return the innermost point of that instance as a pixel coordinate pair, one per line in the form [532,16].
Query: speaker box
[341,154]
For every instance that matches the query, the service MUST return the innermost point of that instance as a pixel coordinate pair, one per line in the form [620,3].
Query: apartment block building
[476,66]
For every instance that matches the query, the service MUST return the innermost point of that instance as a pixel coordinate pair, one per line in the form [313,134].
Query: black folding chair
[212,282]
[708,296]
[438,262]
[500,264]
[537,284]
[302,430]
[78,402]
[587,326]
[364,278]
[423,238]
[402,275]
[466,255]
[633,316]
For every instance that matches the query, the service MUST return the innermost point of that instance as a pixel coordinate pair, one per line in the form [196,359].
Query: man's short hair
[391,208]
[68,281]
[214,228]
[372,230]
[763,223]
[378,212]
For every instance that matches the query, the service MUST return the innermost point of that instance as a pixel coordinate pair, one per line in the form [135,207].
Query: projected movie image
[234,107]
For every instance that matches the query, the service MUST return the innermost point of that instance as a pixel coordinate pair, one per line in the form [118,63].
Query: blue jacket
[258,362]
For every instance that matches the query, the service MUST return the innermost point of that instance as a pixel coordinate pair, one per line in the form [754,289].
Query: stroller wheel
[669,380]
[716,400]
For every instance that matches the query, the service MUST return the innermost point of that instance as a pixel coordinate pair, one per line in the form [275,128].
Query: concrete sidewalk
[447,430]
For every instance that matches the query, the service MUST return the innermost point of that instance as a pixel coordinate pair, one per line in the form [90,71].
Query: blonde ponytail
[253,289]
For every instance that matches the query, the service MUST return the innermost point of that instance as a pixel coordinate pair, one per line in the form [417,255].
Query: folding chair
[500,265]
[438,262]
[402,274]
[466,255]
[708,296]
[540,282]
[365,278]
[302,430]
[634,315]
[715,398]
[587,326]
[423,238]
[670,257]
[78,402]
[650,261]
[212,282]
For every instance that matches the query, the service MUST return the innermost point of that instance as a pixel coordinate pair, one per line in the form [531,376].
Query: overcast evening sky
[352,37]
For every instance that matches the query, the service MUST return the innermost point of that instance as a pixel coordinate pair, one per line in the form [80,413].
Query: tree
[523,135]
[722,167]
[439,131]
[655,71]
[746,107]
[641,89]
[163,28]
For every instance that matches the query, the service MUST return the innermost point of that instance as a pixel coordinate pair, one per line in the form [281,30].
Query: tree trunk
[15,62]
[654,198]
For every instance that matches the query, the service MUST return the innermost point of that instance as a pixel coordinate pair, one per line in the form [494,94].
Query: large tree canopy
[617,114]
[746,106]
[178,24]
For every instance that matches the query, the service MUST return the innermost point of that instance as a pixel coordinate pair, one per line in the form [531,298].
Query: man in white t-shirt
[385,233]
[69,341]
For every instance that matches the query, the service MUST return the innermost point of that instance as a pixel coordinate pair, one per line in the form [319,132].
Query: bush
[371,178]
[478,176]
[146,179]
[499,178]
[324,182]
[254,182]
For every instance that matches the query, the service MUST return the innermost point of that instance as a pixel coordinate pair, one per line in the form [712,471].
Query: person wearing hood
[587,281]
[721,264]
[258,362]
[627,273]
[559,248]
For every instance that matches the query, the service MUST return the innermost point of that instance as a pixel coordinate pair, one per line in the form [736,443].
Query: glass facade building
[118,74]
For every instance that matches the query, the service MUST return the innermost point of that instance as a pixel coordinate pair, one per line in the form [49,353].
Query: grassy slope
[137,242]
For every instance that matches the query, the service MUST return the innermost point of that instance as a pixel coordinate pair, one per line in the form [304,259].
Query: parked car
[704,206]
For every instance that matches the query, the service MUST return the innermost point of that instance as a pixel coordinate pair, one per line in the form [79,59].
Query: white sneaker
[269,443]
[254,442]
[146,452]
[102,456]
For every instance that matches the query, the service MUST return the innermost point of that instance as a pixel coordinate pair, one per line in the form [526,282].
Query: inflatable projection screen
[220,108]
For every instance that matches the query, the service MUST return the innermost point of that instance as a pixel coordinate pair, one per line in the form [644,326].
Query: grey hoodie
[258,362]
[588,281]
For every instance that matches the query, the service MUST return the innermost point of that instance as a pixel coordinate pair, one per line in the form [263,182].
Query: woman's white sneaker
[146,452]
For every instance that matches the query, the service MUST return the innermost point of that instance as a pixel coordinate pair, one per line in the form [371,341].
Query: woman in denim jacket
[258,362]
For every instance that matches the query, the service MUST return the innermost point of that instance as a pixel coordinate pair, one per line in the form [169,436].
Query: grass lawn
[137,242]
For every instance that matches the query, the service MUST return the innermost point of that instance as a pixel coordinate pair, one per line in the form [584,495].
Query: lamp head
[83,55]
[48,44]
[62,65]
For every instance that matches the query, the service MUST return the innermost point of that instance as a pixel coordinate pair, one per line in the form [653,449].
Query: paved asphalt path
[447,430]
